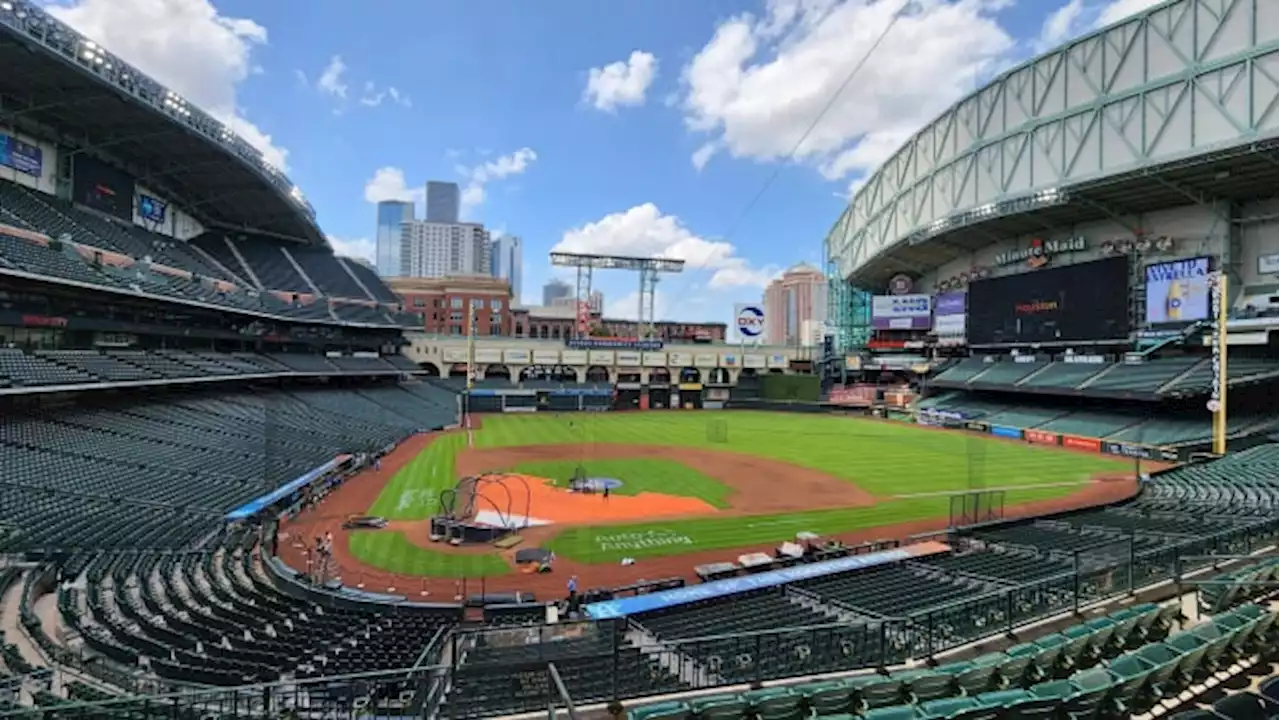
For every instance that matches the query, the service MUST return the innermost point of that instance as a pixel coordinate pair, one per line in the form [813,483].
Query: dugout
[484,401]
[628,398]
[690,395]
[558,402]
[659,397]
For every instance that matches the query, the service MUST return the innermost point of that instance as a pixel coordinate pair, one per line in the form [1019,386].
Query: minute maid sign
[1037,252]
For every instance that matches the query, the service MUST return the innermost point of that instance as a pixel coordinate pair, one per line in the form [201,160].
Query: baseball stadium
[1030,471]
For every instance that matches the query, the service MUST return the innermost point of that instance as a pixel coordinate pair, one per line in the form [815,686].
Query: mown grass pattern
[886,459]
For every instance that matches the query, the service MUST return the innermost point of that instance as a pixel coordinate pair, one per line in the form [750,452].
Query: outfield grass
[883,458]
[886,459]
[638,474]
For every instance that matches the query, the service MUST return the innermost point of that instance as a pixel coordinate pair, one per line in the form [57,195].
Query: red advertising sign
[856,396]
[1081,443]
[1040,437]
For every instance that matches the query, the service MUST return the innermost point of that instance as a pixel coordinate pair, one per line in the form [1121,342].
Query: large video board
[1076,303]
[99,186]
[1177,291]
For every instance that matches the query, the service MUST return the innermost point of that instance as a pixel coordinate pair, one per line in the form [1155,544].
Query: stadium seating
[369,279]
[159,475]
[1061,376]
[1000,374]
[19,368]
[504,671]
[218,618]
[270,263]
[328,274]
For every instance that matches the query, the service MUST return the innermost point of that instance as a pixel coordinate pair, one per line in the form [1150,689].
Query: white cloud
[762,79]
[388,183]
[1077,17]
[627,307]
[373,97]
[481,175]
[760,82]
[331,82]
[702,155]
[187,46]
[643,231]
[1121,9]
[1060,25]
[621,83]
[358,248]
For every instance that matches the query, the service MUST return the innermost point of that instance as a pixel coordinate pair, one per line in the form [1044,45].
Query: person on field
[606,493]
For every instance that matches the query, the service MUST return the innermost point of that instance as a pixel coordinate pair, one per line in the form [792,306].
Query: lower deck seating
[161,474]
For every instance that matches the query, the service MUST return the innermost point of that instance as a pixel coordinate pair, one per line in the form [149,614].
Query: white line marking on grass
[1031,486]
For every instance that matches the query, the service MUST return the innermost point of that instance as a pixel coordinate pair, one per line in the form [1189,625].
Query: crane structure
[649,269]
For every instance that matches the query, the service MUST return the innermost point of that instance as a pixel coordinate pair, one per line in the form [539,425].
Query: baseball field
[688,487]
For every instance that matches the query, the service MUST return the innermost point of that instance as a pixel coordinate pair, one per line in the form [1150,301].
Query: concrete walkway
[11,624]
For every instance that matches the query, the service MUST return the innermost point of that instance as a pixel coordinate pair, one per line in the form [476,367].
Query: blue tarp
[1009,432]
[256,505]
[623,607]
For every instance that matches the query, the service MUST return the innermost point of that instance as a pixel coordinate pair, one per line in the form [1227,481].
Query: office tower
[431,249]
[507,254]
[554,290]
[798,296]
[391,215]
[443,200]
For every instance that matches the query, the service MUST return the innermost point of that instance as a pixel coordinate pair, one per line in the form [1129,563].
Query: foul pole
[1218,392]
[471,369]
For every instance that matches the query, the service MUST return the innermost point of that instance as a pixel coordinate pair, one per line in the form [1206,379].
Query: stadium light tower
[649,269]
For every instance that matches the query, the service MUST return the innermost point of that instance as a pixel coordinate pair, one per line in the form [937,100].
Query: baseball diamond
[756,479]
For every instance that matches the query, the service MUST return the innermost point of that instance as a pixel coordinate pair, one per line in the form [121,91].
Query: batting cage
[718,431]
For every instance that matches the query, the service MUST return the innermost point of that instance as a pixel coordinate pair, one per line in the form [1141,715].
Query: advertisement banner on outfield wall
[1081,443]
[1007,432]
[1040,437]
[1139,452]
[856,396]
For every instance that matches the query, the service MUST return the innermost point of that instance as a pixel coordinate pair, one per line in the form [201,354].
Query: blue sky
[627,126]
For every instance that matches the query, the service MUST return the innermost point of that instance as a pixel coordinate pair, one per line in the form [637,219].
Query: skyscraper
[443,201]
[554,290]
[391,215]
[507,254]
[793,304]
[431,249]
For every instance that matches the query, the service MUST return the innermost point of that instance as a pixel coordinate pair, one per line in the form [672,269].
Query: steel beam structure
[1181,80]
[650,270]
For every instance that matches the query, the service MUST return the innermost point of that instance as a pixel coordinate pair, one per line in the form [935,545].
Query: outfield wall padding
[802,388]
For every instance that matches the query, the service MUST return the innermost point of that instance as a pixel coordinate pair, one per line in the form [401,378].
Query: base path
[358,494]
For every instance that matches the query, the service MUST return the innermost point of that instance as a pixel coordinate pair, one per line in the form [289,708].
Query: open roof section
[56,78]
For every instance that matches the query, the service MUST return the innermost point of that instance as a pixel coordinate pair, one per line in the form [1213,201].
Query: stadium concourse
[170,389]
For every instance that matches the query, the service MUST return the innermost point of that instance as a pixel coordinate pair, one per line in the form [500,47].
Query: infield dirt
[760,486]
